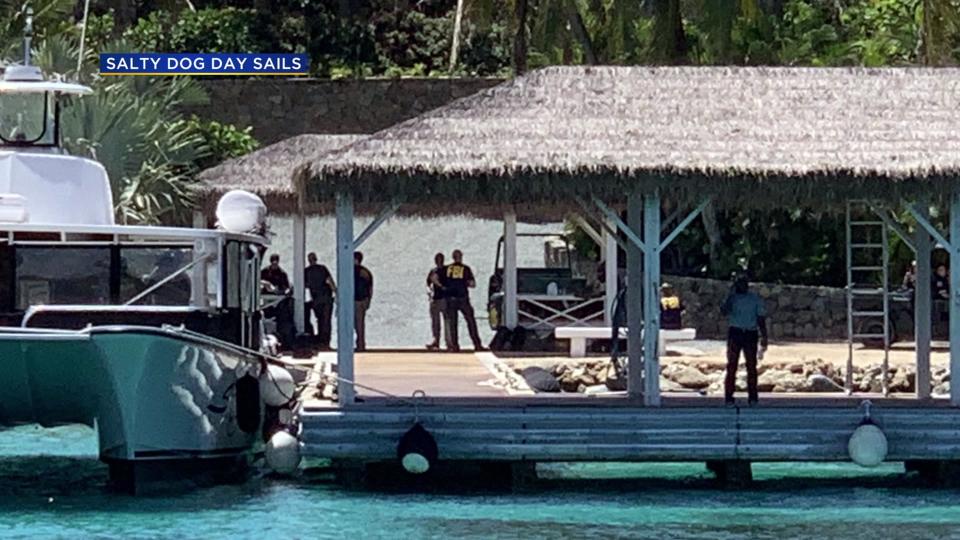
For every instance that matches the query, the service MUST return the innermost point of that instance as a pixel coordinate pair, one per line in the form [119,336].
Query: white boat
[150,334]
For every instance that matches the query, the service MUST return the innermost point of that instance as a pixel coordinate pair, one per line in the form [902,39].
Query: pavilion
[594,140]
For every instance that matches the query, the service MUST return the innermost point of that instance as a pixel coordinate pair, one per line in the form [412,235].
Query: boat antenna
[27,36]
[83,37]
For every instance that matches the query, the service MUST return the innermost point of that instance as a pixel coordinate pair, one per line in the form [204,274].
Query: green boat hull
[152,394]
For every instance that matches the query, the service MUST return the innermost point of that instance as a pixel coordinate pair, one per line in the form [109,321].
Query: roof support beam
[883,212]
[588,228]
[299,264]
[612,216]
[921,300]
[611,283]
[930,228]
[684,224]
[605,223]
[635,314]
[385,214]
[345,305]
[651,294]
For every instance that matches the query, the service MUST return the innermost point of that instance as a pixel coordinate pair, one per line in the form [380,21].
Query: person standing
[671,308]
[457,281]
[362,294]
[941,283]
[275,276]
[320,283]
[438,304]
[747,318]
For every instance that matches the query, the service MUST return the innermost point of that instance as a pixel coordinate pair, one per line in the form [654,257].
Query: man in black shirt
[362,293]
[438,304]
[941,283]
[457,280]
[319,282]
[275,276]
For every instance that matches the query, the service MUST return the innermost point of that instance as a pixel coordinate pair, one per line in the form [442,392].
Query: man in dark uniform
[276,282]
[275,276]
[457,280]
[320,283]
[362,293]
[438,304]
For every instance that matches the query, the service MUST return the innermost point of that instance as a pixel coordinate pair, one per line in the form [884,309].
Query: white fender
[867,445]
[283,453]
[276,386]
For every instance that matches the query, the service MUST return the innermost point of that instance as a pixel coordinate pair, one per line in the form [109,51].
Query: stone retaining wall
[795,311]
[278,109]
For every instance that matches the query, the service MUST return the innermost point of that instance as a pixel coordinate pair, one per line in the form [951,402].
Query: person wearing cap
[671,308]
[747,317]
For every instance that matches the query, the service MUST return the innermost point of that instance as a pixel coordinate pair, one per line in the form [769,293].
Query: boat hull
[153,395]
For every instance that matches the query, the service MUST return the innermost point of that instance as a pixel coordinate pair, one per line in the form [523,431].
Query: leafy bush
[206,30]
[224,141]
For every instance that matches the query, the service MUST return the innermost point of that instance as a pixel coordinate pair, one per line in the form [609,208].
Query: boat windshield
[25,119]
[101,275]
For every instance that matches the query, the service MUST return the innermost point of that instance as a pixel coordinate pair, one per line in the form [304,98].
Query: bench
[579,335]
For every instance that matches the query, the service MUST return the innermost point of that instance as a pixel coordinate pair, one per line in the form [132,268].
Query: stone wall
[795,311]
[278,109]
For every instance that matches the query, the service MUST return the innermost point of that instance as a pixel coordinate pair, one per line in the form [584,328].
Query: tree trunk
[669,42]
[579,30]
[455,46]
[520,38]
[938,19]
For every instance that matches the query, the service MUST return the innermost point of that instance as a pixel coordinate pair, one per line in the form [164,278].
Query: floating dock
[525,430]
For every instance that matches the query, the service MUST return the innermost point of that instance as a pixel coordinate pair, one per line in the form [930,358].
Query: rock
[666,385]
[796,367]
[822,383]
[903,381]
[942,389]
[691,377]
[540,380]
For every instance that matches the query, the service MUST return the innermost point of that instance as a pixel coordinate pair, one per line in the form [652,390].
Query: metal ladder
[868,278]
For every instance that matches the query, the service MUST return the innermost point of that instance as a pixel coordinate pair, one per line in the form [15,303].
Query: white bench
[579,335]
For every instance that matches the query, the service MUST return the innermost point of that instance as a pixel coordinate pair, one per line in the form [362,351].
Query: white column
[651,299]
[922,296]
[510,315]
[610,276]
[954,296]
[299,262]
[345,337]
[634,299]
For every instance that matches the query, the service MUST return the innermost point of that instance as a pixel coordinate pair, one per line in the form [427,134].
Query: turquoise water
[62,495]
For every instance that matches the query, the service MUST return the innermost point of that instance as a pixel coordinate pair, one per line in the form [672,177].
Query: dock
[477,423]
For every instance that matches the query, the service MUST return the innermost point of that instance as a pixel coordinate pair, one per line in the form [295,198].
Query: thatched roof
[750,135]
[268,172]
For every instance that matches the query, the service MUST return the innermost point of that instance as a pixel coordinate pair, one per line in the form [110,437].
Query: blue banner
[203,64]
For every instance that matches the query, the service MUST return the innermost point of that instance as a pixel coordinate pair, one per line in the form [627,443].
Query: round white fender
[283,453]
[276,386]
[868,445]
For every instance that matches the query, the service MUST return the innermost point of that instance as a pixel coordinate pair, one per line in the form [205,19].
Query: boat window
[7,279]
[145,268]
[24,119]
[57,275]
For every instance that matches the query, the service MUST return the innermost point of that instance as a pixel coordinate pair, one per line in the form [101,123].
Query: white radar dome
[241,211]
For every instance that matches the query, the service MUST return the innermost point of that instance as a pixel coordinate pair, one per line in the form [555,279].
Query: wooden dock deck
[473,421]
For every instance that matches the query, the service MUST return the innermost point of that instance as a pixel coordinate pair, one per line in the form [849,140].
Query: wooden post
[921,298]
[634,299]
[651,299]
[610,271]
[954,296]
[299,262]
[345,390]
[510,313]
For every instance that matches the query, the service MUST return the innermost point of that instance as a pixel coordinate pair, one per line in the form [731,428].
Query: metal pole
[345,306]
[921,303]
[634,299]
[651,299]
[299,263]
[954,295]
[510,315]
[610,277]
